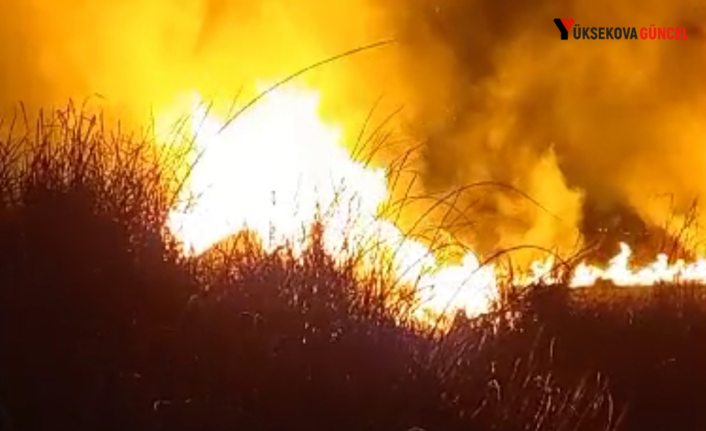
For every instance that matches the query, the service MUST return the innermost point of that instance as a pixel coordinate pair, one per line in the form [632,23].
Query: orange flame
[278,166]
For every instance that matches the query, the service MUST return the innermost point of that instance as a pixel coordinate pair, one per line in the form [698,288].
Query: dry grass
[103,325]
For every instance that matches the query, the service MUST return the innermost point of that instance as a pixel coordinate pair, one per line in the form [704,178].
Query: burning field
[252,209]
[277,169]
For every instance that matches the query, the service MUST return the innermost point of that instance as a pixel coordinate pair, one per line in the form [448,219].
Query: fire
[279,167]
[619,272]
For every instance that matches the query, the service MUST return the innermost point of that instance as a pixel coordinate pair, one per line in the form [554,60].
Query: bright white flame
[278,167]
[271,170]
[620,273]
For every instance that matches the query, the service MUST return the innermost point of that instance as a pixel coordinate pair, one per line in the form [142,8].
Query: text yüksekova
[652,32]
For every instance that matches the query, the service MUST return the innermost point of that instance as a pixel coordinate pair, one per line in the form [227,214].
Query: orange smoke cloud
[489,93]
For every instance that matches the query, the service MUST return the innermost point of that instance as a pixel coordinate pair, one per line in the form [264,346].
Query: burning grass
[106,324]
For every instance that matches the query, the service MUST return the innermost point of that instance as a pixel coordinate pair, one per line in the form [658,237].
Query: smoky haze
[489,91]
[622,123]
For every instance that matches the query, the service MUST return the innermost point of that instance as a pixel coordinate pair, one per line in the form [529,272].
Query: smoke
[502,98]
[489,91]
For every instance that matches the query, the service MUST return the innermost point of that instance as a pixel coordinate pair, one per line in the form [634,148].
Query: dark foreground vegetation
[103,326]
